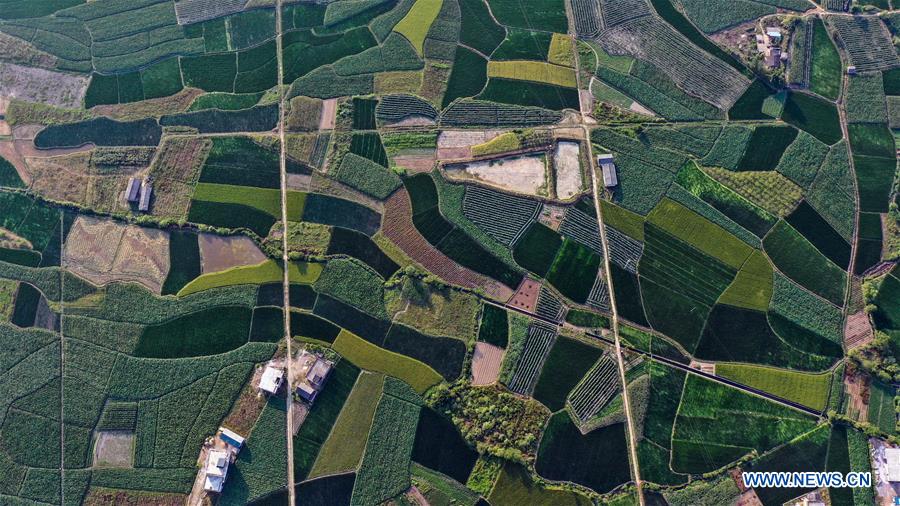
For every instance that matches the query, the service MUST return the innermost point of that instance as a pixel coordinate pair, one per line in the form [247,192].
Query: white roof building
[146,193]
[892,460]
[133,191]
[216,470]
[609,170]
[271,379]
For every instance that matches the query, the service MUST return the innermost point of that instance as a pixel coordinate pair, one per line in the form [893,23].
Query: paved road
[678,365]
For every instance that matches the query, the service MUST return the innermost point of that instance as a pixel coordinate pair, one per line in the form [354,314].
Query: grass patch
[801,261]
[699,232]
[568,361]
[805,388]
[268,271]
[574,270]
[825,70]
[537,248]
[371,357]
[344,447]
[752,287]
[415,25]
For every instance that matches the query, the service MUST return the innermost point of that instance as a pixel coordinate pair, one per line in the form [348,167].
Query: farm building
[315,379]
[318,373]
[773,34]
[609,170]
[851,70]
[146,193]
[231,438]
[271,380]
[133,191]
[892,463]
[216,470]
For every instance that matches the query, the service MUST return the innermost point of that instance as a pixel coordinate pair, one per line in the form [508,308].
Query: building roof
[216,470]
[892,457]
[231,437]
[318,372]
[271,379]
[307,392]
[134,188]
[609,170]
[146,192]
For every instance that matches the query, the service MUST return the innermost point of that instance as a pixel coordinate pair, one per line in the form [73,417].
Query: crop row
[599,386]
[616,12]
[502,216]
[478,112]
[867,41]
[586,14]
[598,298]
[581,227]
[656,42]
[548,305]
[537,345]
[623,250]
[394,108]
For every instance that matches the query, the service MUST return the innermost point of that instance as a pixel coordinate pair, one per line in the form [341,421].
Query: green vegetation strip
[371,357]
[268,271]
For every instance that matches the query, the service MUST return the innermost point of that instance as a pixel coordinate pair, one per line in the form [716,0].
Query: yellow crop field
[415,25]
[268,271]
[536,71]
[562,50]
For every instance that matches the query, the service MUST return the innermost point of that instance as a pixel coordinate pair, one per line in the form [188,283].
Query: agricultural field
[401,207]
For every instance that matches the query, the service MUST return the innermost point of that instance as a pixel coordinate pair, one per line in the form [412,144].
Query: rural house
[892,463]
[271,380]
[216,468]
[231,438]
[315,380]
[133,191]
[609,170]
[146,193]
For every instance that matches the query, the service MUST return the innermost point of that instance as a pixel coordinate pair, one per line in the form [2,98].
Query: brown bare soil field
[857,330]
[486,361]
[249,405]
[415,163]
[526,295]
[98,496]
[62,178]
[114,449]
[328,186]
[399,228]
[154,107]
[175,171]
[103,251]
[20,51]
[42,86]
[327,119]
[44,317]
[414,120]
[218,253]
[457,144]
[857,388]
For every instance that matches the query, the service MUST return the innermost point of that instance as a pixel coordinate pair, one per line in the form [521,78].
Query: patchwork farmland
[365,252]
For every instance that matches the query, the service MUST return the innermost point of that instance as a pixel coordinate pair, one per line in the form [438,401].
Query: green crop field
[369,356]
[805,388]
[825,68]
[802,262]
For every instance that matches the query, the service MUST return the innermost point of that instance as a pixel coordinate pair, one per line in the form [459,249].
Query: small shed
[146,193]
[133,191]
[774,34]
[892,463]
[232,438]
[318,373]
[216,470]
[773,57]
[271,379]
[851,70]
[609,170]
[307,392]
